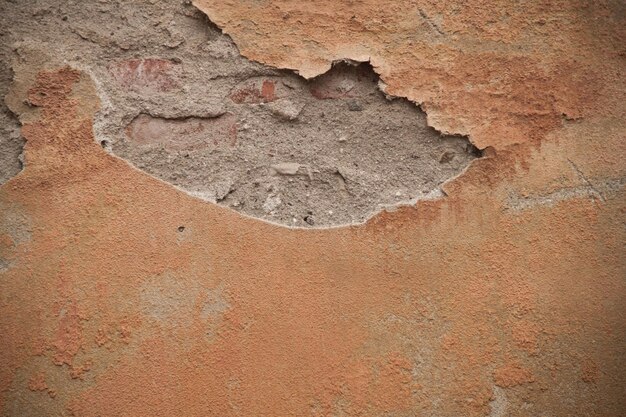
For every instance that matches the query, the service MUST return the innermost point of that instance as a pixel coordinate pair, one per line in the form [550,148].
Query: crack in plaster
[586,180]
[518,202]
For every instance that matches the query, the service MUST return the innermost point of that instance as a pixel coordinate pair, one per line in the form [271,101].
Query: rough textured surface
[123,296]
[182,104]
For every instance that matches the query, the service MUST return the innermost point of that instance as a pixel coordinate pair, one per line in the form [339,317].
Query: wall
[497,290]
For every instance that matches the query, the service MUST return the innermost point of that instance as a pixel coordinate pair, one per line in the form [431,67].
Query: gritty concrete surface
[182,104]
[121,295]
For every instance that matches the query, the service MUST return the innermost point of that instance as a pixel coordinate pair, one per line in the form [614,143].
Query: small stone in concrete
[271,203]
[286,168]
[354,105]
[345,86]
[286,109]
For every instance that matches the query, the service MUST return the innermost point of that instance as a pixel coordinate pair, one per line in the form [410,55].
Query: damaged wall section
[302,153]
[182,104]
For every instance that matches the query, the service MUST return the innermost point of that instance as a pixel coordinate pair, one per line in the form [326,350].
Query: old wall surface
[122,294]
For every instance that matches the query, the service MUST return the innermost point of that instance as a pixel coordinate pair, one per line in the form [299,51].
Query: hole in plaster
[308,219]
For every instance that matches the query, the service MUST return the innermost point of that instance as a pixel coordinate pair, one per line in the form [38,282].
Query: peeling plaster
[216,126]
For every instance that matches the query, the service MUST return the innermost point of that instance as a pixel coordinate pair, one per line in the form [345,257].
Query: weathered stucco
[121,295]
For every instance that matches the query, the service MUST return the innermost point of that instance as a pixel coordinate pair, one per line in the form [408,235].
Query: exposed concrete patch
[182,104]
[16,230]
[11,146]
[331,151]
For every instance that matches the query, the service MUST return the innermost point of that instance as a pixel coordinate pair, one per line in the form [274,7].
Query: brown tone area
[133,298]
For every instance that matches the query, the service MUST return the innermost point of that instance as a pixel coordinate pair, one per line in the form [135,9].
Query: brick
[146,75]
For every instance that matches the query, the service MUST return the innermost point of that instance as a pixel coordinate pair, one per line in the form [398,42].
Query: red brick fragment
[146,75]
[255,92]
